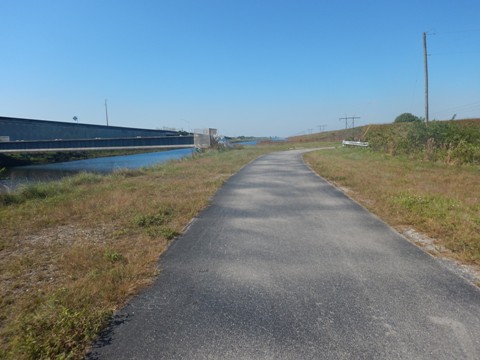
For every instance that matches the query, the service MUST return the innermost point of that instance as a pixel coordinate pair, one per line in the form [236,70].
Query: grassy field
[439,200]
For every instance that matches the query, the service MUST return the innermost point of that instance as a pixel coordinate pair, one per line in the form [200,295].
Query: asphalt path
[284,266]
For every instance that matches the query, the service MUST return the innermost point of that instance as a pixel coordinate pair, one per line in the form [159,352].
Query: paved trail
[284,266]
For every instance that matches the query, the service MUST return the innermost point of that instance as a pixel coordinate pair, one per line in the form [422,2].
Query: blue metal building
[16,129]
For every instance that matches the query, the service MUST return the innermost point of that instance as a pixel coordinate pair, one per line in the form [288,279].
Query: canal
[15,176]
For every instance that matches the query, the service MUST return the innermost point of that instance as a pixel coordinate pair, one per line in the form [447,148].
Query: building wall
[84,144]
[28,129]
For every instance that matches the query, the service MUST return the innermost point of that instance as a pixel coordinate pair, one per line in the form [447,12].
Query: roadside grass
[73,251]
[439,200]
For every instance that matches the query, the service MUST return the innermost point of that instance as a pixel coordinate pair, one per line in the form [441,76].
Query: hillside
[452,141]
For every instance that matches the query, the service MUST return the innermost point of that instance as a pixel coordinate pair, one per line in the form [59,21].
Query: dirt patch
[33,261]
[64,235]
[68,234]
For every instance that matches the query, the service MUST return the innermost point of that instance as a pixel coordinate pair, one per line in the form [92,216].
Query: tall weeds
[451,142]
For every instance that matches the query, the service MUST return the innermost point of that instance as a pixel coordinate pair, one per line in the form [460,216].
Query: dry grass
[438,200]
[71,252]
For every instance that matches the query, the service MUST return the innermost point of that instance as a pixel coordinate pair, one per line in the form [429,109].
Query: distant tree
[407,117]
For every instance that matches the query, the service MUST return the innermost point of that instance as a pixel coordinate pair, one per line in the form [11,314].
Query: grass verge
[441,201]
[73,251]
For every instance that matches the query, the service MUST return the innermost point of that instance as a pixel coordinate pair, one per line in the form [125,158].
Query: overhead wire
[466,110]
[456,32]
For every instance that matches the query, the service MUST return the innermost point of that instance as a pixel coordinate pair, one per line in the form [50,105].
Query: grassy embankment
[417,177]
[73,251]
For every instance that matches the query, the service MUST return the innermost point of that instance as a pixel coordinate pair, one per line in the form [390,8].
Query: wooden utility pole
[353,121]
[106,111]
[426,75]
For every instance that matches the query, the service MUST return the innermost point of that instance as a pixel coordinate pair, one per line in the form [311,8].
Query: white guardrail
[354,143]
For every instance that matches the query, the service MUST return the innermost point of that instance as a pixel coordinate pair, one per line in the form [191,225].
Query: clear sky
[245,67]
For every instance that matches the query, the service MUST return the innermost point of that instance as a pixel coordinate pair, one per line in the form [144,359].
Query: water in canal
[15,176]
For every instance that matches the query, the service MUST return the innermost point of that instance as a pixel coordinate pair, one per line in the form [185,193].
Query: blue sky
[245,67]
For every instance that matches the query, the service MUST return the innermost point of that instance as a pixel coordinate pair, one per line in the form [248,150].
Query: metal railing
[355,143]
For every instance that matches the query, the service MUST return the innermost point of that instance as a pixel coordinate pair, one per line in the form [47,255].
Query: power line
[346,118]
[457,32]
[472,106]
[453,53]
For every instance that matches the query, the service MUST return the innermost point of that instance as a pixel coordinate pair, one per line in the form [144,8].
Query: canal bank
[12,177]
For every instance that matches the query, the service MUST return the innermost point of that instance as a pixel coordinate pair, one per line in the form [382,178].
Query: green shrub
[113,256]
[58,331]
[453,142]
[44,190]
[169,233]
[40,190]
[407,117]
[83,178]
[157,219]
[465,153]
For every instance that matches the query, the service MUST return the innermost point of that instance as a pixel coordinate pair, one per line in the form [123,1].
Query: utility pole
[426,75]
[321,128]
[106,111]
[346,118]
